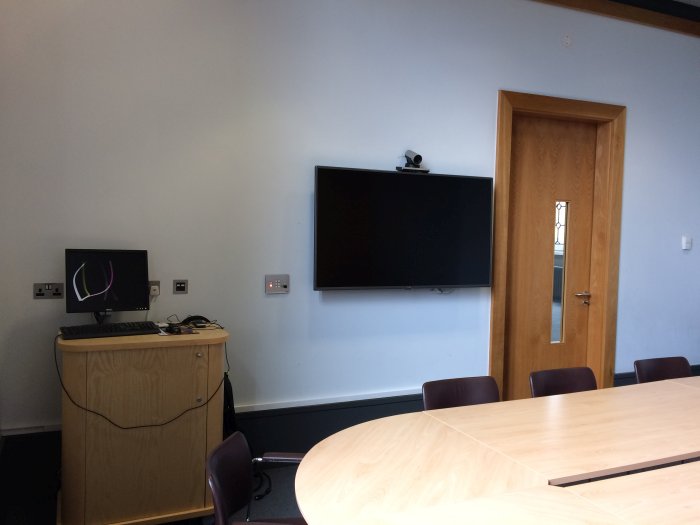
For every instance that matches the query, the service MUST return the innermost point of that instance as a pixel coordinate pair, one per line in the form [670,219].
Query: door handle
[585,295]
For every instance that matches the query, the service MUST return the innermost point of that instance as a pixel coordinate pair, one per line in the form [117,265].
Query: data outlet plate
[180,286]
[154,288]
[276,283]
[47,290]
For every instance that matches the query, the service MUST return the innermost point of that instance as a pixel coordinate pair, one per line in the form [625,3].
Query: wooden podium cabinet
[169,390]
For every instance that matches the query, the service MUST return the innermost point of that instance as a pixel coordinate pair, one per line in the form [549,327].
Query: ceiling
[688,9]
[681,16]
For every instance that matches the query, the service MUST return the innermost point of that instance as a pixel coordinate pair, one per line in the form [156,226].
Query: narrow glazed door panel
[552,167]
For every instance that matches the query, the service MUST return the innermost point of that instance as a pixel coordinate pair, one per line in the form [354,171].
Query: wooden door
[552,172]
[555,153]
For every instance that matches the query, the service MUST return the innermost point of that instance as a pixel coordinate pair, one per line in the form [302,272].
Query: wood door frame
[605,242]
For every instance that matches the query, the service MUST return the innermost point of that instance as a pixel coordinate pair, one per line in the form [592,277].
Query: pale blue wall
[191,129]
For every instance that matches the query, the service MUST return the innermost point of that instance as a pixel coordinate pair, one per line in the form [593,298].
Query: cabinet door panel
[138,472]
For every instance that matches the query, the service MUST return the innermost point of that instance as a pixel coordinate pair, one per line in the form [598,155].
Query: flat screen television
[100,281]
[388,229]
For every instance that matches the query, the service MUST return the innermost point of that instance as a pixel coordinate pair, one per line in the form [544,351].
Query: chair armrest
[280,457]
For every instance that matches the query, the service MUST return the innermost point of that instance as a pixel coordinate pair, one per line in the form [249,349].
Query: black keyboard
[86,331]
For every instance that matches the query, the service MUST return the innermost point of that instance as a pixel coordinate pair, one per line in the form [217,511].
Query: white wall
[191,129]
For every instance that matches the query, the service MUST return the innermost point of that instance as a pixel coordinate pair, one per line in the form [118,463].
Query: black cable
[215,325]
[110,421]
[264,478]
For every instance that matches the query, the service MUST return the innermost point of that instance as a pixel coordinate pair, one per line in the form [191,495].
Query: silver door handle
[585,295]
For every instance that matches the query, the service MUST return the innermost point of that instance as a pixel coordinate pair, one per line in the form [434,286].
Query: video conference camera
[413,159]
[413,162]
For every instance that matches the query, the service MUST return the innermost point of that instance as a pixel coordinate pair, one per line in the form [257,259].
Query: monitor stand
[101,316]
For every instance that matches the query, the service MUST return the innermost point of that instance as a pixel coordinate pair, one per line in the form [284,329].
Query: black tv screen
[106,280]
[388,229]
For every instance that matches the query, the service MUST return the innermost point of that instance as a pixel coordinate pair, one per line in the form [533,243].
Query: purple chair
[562,381]
[459,391]
[230,476]
[660,368]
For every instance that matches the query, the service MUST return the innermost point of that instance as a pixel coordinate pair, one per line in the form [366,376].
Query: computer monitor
[103,281]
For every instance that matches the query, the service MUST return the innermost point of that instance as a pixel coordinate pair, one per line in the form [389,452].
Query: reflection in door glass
[560,216]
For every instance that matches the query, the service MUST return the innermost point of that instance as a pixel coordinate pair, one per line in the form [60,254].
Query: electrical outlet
[180,286]
[154,288]
[276,283]
[47,290]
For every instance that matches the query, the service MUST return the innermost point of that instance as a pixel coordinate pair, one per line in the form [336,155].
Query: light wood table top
[500,462]
[202,336]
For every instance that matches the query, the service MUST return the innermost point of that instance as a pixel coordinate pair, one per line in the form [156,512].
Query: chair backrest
[460,391]
[660,368]
[230,476]
[562,381]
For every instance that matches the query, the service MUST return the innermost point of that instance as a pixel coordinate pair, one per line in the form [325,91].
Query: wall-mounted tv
[389,229]
[106,280]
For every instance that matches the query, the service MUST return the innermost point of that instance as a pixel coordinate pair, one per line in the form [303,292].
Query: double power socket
[47,290]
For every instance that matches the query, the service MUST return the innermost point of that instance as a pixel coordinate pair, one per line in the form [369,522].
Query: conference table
[609,456]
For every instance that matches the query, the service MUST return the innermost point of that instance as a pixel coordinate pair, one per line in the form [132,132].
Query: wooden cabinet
[151,412]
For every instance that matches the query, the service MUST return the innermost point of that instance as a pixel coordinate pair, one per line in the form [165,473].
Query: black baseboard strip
[297,429]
